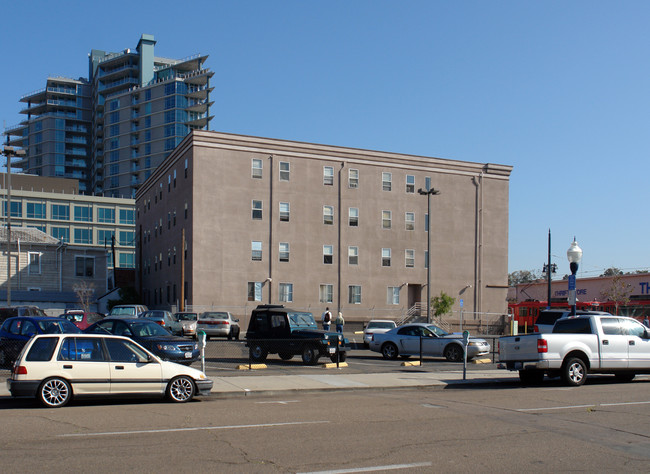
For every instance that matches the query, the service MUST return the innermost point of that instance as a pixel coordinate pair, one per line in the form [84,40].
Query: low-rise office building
[233,221]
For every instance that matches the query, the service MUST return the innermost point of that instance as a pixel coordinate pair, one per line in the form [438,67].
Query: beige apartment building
[309,226]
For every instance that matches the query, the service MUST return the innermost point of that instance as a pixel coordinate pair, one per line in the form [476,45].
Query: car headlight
[166,347]
[473,343]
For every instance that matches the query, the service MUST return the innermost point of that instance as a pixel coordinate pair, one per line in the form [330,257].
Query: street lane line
[584,406]
[280,402]
[373,468]
[198,428]
[623,403]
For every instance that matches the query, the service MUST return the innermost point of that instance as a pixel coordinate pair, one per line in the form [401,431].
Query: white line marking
[281,402]
[198,428]
[622,403]
[373,468]
[585,406]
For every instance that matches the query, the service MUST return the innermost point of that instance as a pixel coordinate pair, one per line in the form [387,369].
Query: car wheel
[310,355]
[230,335]
[531,377]
[454,353]
[180,389]
[285,356]
[389,351]
[574,372]
[54,392]
[624,377]
[258,353]
[342,357]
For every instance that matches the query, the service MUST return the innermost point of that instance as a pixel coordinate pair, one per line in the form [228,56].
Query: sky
[558,90]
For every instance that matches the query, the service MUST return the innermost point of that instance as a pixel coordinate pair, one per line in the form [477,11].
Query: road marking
[373,468]
[198,428]
[281,402]
[584,406]
[428,405]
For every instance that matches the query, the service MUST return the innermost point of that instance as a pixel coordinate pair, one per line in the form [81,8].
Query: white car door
[638,347]
[83,362]
[131,371]
[613,345]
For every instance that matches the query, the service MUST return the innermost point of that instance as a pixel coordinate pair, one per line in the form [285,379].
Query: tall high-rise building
[113,129]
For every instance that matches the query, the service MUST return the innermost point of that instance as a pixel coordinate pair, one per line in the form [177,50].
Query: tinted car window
[42,349]
[27,328]
[611,326]
[57,327]
[147,329]
[124,351]
[573,326]
[81,349]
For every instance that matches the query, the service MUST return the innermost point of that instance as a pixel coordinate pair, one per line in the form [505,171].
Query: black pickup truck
[274,329]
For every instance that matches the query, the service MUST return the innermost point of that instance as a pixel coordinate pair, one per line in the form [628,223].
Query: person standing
[326,319]
[339,323]
[646,322]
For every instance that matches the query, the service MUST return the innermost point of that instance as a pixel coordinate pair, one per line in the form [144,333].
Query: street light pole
[428,194]
[9,152]
[574,254]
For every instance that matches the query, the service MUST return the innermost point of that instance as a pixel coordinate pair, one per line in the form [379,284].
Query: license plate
[188,355]
[332,350]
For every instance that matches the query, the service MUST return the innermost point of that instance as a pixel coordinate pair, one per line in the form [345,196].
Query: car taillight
[535,328]
[542,345]
[20,370]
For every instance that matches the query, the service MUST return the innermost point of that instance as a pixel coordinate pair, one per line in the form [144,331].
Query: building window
[284,251]
[127,216]
[410,183]
[256,171]
[353,179]
[61,233]
[353,214]
[127,238]
[286,292]
[83,236]
[353,255]
[386,181]
[35,210]
[409,258]
[84,266]
[83,213]
[385,257]
[328,215]
[60,212]
[392,295]
[186,167]
[284,211]
[427,183]
[284,171]
[256,251]
[254,291]
[34,267]
[257,210]
[126,260]
[386,219]
[354,294]
[325,293]
[106,215]
[105,237]
[328,175]
[328,254]
[409,219]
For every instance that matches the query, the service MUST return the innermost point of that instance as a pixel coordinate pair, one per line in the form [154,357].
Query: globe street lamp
[428,193]
[574,254]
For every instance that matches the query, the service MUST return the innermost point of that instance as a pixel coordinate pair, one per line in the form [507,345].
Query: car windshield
[187,316]
[123,311]
[301,320]
[148,329]
[214,316]
[58,327]
[437,331]
[380,325]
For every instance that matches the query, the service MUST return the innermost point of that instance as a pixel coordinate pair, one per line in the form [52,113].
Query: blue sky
[559,90]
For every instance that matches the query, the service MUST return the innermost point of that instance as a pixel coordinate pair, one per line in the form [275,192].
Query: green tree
[442,304]
[619,292]
[612,271]
[522,276]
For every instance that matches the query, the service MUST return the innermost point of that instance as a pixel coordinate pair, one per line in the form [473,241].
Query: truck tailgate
[519,348]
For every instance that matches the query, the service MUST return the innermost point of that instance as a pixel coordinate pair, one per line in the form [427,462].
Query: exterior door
[83,362]
[130,370]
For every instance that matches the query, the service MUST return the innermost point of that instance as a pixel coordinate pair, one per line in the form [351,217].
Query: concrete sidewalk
[250,385]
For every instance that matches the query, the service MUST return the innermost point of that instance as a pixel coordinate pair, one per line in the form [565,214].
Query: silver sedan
[405,341]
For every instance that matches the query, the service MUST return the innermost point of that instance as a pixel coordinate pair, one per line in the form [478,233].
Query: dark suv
[547,318]
[274,329]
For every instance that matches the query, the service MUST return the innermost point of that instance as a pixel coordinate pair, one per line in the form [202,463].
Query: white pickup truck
[579,345]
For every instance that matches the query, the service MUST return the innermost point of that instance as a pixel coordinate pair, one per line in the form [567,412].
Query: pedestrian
[327,319]
[339,323]
[646,322]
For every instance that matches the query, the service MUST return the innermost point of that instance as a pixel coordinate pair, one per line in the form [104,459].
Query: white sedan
[54,368]
[376,326]
[408,340]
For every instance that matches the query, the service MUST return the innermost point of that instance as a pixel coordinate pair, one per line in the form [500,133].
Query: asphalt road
[602,426]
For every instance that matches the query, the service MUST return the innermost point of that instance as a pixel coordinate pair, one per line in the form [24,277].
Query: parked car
[404,341]
[15,332]
[164,318]
[548,317]
[274,329]
[185,323]
[104,365]
[81,319]
[376,326]
[154,337]
[218,323]
[13,311]
[127,311]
